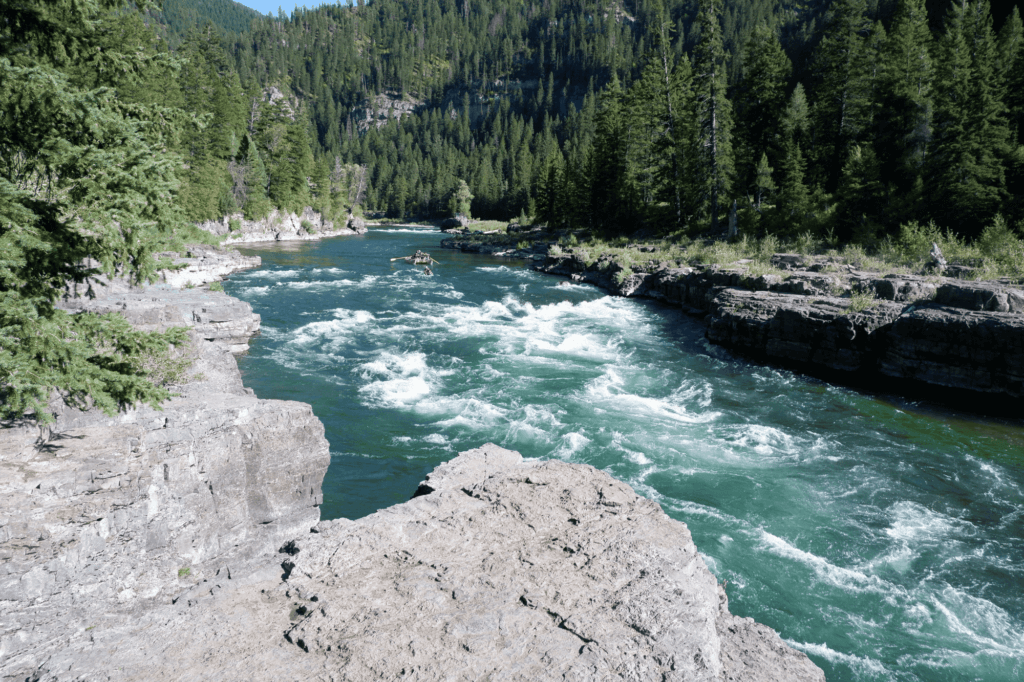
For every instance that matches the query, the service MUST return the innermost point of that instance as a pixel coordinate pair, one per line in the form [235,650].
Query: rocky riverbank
[281,226]
[104,519]
[906,330]
[819,315]
[498,568]
[175,543]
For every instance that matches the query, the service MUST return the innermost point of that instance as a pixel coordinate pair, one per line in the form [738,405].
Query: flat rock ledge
[498,569]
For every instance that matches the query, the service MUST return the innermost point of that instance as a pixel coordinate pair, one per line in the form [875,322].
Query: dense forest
[850,117]
[122,123]
[173,18]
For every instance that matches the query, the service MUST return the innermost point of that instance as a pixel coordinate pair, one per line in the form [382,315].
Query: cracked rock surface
[499,569]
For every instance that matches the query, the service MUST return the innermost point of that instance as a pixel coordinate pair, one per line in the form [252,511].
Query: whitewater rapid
[884,539]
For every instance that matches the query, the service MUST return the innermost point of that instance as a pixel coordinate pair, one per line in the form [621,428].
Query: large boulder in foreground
[499,569]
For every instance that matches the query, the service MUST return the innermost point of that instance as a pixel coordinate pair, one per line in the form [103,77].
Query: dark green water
[883,539]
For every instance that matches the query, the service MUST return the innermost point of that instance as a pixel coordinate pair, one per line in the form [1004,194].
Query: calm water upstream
[884,540]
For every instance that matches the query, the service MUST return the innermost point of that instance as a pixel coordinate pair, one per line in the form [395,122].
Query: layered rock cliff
[499,569]
[914,330]
[103,519]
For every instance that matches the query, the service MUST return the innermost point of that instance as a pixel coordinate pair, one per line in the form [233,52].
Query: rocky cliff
[903,330]
[499,569]
[103,519]
[281,226]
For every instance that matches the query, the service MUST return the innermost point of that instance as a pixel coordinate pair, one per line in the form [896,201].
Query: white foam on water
[364,282]
[845,579]
[336,331]
[915,523]
[860,665]
[762,439]
[916,529]
[467,412]
[401,439]
[504,269]
[696,509]
[253,291]
[609,392]
[580,345]
[986,625]
[398,379]
[569,444]
[437,439]
[277,274]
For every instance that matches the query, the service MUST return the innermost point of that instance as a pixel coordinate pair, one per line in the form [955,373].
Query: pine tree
[764,183]
[860,197]
[904,129]
[611,197]
[86,188]
[761,98]
[842,96]
[713,111]
[966,173]
[793,204]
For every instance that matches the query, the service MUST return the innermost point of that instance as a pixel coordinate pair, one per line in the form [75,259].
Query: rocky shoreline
[281,226]
[956,338]
[184,543]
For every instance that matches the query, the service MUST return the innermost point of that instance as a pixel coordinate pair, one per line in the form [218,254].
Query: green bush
[216,286]
[234,225]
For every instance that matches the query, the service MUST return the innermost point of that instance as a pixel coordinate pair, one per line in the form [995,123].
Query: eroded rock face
[100,514]
[499,569]
[934,330]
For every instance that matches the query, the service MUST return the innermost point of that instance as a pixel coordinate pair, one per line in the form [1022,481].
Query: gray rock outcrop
[498,569]
[213,315]
[105,518]
[281,226]
[935,331]
[202,265]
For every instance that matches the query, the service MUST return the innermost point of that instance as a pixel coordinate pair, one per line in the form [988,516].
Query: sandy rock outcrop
[499,569]
[281,226]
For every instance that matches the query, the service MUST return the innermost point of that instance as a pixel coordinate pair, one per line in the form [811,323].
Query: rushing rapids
[882,538]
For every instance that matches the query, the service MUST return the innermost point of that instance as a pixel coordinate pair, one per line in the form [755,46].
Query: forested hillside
[849,117]
[173,19]
[110,144]
[843,119]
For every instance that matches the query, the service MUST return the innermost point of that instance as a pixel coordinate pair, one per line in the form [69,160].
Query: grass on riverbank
[998,252]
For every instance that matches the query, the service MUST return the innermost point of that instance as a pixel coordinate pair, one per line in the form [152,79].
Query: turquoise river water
[883,538]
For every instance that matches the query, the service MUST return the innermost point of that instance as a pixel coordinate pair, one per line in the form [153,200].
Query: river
[883,538]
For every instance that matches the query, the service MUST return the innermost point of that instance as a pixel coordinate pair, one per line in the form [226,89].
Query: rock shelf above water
[910,331]
[499,569]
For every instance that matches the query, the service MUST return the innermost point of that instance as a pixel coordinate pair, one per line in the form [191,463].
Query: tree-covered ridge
[850,117]
[174,18]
